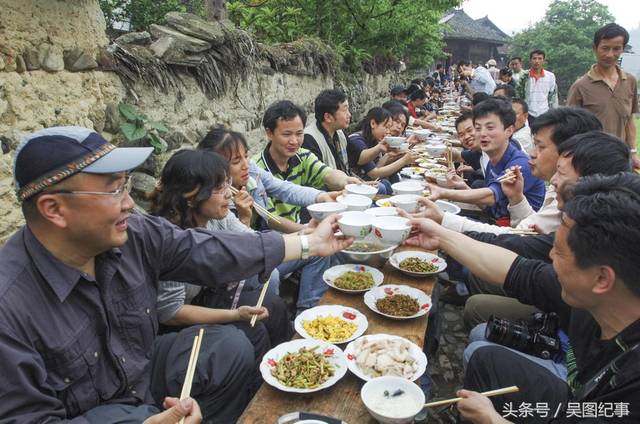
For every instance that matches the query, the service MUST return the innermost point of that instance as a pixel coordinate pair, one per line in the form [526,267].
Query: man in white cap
[493,70]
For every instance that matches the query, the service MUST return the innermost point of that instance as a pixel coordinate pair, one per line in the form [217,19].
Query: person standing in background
[538,87]
[607,91]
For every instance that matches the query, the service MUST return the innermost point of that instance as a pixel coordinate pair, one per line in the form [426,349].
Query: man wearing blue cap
[78,292]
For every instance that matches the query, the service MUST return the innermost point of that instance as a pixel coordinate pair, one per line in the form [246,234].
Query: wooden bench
[342,400]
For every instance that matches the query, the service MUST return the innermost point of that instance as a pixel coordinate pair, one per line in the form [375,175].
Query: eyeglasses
[116,194]
[225,188]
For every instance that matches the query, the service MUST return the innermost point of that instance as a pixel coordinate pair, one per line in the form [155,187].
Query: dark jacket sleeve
[310,144]
[530,247]
[535,283]
[206,257]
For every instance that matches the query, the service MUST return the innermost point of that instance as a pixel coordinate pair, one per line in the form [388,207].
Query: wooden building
[477,40]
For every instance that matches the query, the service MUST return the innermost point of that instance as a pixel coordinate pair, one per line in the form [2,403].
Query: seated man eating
[494,120]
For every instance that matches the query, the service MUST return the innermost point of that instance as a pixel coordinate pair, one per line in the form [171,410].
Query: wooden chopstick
[260,300]
[191,368]
[259,208]
[504,391]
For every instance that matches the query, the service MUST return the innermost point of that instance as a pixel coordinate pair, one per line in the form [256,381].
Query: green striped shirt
[304,169]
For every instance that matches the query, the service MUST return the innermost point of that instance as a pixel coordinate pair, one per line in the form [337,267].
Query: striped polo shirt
[304,169]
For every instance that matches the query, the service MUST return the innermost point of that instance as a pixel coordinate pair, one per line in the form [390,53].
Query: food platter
[331,274]
[437,261]
[347,316]
[332,353]
[423,300]
[414,355]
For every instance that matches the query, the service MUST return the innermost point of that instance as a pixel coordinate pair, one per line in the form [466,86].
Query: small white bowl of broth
[320,211]
[392,400]
[355,202]
[395,142]
[361,190]
[391,229]
[355,224]
[407,202]
[408,187]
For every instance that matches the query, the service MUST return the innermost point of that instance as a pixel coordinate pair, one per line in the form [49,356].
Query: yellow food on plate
[329,328]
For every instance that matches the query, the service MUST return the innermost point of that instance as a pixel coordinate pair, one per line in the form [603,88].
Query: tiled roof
[459,25]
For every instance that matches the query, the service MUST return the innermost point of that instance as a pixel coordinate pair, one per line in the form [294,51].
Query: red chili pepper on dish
[349,315]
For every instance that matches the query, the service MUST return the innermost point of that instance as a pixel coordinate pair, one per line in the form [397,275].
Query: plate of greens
[303,366]
[353,278]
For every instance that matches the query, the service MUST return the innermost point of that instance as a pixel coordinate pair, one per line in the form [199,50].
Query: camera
[538,336]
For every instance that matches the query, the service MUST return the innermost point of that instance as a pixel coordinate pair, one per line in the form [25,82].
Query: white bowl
[394,142]
[372,395]
[355,202]
[320,211]
[422,134]
[448,207]
[355,224]
[391,229]
[404,147]
[408,187]
[436,149]
[383,211]
[408,202]
[361,190]
[395,260]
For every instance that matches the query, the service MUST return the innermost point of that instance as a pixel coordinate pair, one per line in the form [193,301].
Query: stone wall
[31,99]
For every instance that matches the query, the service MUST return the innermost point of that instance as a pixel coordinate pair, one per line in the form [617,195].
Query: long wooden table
[343,399]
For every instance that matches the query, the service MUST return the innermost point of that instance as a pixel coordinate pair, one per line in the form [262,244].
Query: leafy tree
[358,30]
[566,36]
[142,13]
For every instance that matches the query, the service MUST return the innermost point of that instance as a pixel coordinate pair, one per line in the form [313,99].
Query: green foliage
[142,13]
[138,126]
[566,36]
[358,30]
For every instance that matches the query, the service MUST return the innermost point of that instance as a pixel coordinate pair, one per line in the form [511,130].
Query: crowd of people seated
[99,301]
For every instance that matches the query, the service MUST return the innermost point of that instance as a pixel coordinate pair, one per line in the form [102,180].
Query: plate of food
[376,355]
[398,302]
[303,366]
[369,251]
[352,278]
[417,264]
[331,323]
[412,172]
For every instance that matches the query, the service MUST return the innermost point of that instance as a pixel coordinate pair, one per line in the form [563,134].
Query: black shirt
[530,247]
[535,283]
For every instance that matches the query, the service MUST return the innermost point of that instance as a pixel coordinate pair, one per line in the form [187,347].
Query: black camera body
[538,337]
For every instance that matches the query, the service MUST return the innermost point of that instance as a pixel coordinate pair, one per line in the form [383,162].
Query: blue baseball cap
[48,156]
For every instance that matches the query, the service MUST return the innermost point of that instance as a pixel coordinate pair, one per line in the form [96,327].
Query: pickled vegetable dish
[353,280]
[398,305]
[304,369]
[414,264]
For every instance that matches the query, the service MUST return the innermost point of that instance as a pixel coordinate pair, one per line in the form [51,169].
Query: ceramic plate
[414,350]
[334,355]
[350,315]
[396,258]
[373,295]
[334,272]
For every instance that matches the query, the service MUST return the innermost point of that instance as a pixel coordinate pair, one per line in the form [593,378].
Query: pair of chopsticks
[450,164]
[259,208]
[498,392]
[191,368]
[508,175]
[260,300]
